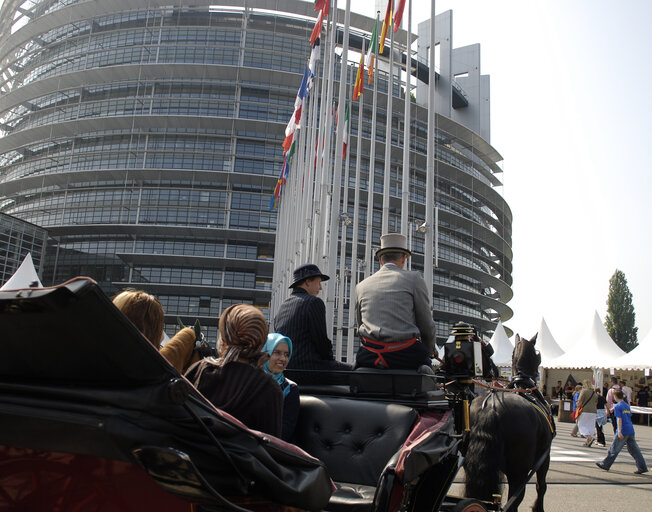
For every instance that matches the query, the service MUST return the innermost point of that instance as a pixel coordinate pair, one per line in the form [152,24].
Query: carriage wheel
[469,505]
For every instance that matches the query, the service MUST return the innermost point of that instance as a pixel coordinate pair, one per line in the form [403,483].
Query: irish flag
[371,53]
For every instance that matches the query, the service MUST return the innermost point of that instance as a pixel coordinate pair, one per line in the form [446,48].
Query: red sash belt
[384,347]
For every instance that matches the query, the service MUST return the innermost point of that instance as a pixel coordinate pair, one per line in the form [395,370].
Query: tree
[621,318]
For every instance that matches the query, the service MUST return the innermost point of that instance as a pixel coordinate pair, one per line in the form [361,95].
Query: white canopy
[503,348]
[546,344]
[639,358]
[24,276]
[595,349]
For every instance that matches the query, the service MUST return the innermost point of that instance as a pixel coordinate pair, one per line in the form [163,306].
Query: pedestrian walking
[601,418]
[624,436]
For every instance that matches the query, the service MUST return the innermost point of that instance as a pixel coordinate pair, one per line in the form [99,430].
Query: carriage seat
[357,440]
[391,383]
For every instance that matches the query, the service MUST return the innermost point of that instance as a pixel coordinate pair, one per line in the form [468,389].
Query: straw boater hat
[306,271]
[393,242]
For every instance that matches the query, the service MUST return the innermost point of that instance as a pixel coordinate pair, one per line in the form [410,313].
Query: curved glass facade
[146,139]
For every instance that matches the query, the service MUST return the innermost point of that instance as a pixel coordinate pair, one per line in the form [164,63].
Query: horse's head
[525,358]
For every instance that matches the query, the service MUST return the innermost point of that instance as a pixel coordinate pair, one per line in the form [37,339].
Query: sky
[571,115]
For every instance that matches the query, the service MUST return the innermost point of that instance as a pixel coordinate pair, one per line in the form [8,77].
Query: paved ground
[576,484]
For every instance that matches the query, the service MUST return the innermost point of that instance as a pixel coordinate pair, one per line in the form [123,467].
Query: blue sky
[571,115]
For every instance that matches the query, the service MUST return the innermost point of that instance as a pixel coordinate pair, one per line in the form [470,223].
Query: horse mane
[525,358]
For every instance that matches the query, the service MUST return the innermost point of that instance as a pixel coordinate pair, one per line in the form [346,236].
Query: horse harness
[527,388]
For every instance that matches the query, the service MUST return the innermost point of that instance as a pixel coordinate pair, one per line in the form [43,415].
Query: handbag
[578,410]
[576,413]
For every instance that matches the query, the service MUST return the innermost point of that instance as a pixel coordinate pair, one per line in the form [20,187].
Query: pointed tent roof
[24,276]
[639,358]
[503,348]
[593,350]
[546,344]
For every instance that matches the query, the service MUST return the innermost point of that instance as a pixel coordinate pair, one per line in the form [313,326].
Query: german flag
[386,24]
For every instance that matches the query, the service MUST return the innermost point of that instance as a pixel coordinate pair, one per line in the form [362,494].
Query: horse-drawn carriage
[93,418]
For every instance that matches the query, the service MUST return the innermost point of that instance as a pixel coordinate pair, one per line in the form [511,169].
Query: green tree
[621,318]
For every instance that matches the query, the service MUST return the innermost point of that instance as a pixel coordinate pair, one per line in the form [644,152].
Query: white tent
[546,344]
[503,348]
[595,349]
[23,277]
[639,358]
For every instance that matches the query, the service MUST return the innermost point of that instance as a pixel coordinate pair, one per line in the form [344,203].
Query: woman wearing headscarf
[279,348]
[234,382]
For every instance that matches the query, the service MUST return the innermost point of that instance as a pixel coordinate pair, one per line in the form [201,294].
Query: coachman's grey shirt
[392,305]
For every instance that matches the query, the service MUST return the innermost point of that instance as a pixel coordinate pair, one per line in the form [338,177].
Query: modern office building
[18,239]
[145,137]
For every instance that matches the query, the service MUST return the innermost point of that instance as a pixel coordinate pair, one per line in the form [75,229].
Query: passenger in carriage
[302,318]
[279,348]
[146,313]
[393,312]
[235,382]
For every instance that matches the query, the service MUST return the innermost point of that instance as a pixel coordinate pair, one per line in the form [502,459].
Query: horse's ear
[534,339]
[517,339]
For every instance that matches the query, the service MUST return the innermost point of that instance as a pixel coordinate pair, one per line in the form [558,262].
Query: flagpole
[336,191]
[343,243]
[325,182]
[311,179]
[354,236]
[372,172]
[306,159]
[430,155]
[388,134]
[406,127]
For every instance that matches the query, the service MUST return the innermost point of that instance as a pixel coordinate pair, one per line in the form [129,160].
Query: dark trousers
[409,358]
[600,432]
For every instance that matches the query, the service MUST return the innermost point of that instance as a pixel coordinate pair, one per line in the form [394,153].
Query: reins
[501,388]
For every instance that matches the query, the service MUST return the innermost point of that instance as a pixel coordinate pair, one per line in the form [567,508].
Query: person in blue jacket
[279,348]
[625,436]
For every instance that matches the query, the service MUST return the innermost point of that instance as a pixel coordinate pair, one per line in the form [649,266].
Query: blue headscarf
[273,339]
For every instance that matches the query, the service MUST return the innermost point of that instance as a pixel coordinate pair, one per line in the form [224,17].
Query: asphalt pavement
[576,484]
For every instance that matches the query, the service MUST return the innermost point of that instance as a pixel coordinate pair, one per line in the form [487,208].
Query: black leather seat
[357,440]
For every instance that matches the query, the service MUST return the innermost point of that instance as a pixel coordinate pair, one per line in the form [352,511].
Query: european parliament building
[145,137]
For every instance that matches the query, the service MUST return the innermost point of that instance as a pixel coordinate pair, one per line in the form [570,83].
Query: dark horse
[510,433]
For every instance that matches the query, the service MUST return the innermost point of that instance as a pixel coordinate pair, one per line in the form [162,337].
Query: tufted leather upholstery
[355,439]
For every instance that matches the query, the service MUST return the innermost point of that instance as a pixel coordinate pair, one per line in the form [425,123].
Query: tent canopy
[503,348]
[546,344]
[595,349]
[639,358]
[24,277]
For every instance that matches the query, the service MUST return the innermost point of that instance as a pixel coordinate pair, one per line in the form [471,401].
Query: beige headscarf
[243,332]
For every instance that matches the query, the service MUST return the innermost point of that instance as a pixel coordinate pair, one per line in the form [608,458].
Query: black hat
[306,271]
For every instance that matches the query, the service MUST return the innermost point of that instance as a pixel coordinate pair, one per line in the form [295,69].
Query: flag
[287,142]
[282,180]
[322,5]
[312,64]
[295,120]
[386,24]
[371,53]
[316,31]
[359,78]
[398,15]
[346,131]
